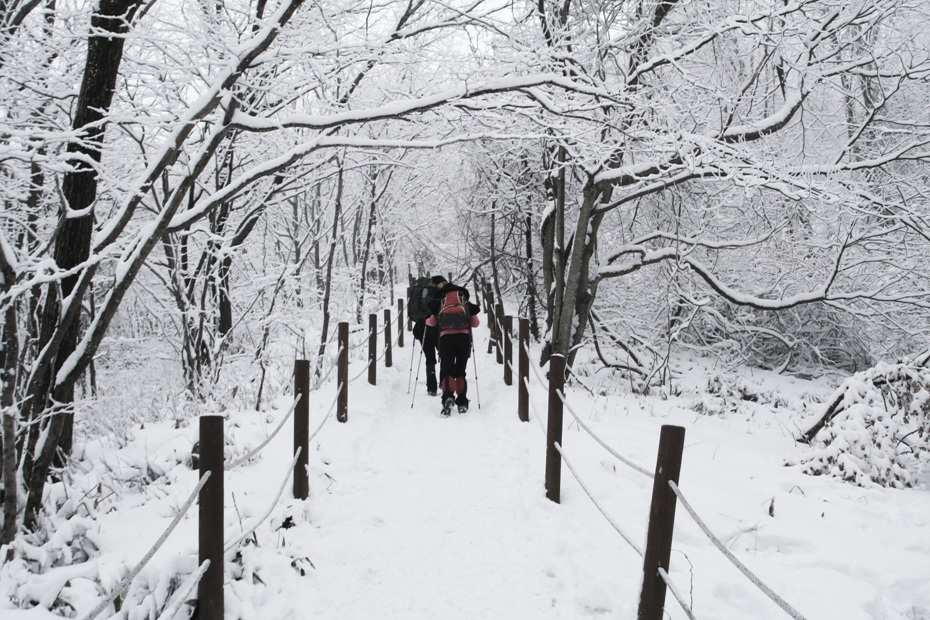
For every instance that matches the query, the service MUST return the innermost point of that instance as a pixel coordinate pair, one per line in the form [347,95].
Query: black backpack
[422,299]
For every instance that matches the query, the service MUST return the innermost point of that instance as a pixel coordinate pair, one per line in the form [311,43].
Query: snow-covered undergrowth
[878,429]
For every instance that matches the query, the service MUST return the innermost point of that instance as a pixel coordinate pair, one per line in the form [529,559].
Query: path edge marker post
[302,428]
[554,429]
[508,350]
[661,522]
[342,402]
[523,396]
[373,349]
[388,353]
[210,603]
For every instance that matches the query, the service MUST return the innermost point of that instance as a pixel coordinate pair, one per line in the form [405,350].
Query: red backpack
[453,312]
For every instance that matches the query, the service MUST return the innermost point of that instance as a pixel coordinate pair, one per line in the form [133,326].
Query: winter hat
[437,280]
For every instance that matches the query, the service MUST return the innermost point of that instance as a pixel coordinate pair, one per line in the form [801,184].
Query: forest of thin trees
[226,180]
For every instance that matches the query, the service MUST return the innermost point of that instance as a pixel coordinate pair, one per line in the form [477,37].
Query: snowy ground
[413,517]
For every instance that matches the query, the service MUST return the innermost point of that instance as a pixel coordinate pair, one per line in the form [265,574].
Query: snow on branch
[403,107]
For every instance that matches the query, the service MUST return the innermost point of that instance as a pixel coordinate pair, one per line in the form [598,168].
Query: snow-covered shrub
[876,429]
[803,340]
[730,393]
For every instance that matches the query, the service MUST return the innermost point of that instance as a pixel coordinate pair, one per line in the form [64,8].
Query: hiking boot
[447,407]
[463,408]
[432,393]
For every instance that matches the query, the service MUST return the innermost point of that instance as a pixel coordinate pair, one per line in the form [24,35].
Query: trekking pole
[475,366]
[410,372]
[417,380]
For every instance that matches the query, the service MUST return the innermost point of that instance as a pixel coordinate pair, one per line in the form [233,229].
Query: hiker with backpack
[422,304]
[455,317]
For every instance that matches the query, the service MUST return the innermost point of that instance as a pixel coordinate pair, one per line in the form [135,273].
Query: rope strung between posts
[326,417]
[364,371]
[536,416]
[290,470]
[791,611]
[384,349]
[613,452]
[542,380]
[676,593]
[121,587]
[597,504]
[251,454]
[180,595]
[329,372]
[361,343]
[260,520]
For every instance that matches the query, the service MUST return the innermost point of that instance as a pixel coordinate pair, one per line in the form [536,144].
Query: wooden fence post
[523,396]
[554,430]
[342,404]
[373,349]
[499,331]
[661,522]
[400,323]
[210,601]
[508,350]
[302,428]
[388,359]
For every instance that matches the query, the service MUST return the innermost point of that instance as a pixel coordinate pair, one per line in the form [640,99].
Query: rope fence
[248,532]
[180,595]
[602,443]
[209,576]
[659,537]
[124,583]
[253,453]
[597,504]
[787,608]
[676,594]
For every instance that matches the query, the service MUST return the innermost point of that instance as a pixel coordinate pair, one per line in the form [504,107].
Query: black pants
[429,339]
[454,351]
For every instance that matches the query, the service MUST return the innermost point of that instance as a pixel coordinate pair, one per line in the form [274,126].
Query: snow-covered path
[419,516]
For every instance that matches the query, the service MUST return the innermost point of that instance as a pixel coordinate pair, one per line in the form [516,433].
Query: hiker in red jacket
[455,317]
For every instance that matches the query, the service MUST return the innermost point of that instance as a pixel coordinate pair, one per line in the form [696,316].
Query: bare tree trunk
[72,247]
[553,243]
[366,249]
[532,294]
[9,355]
[328,279]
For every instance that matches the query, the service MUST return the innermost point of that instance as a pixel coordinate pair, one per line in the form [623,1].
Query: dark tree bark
[72,243]
[9,354]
